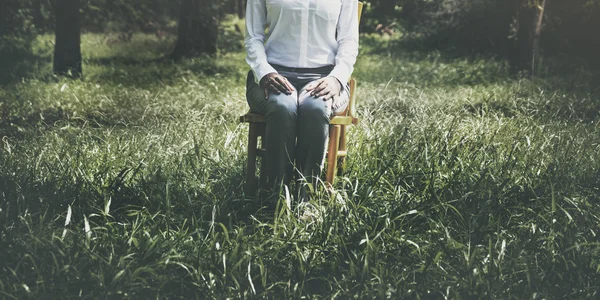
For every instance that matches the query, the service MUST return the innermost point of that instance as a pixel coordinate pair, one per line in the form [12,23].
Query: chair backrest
[360,7]
[351,110]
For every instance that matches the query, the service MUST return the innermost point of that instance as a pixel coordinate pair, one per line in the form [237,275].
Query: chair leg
[334,144]
[343,148]
[251,182]
[260,128]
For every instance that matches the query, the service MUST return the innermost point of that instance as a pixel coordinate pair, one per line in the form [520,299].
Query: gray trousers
[297,126]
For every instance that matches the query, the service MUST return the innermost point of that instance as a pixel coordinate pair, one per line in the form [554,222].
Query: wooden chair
[336,150]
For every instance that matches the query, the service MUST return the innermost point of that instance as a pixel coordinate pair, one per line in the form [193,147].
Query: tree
[241,8]
[36,14]
[236,7]
[198,28]
[15,18]
[530,14]
[67,48]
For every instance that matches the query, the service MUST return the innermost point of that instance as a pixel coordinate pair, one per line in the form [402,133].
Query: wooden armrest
[343,120]
[336,120]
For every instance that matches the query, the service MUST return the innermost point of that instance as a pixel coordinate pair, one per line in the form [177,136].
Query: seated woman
[298,77]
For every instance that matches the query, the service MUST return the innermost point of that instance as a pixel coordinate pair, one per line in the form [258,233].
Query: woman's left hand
[326,87]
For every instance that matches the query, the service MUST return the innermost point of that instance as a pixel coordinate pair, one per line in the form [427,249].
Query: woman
[298,77]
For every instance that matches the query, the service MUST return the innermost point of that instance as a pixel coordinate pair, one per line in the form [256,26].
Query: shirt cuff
[340,74]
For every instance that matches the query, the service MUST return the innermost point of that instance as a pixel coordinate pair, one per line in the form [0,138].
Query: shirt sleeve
[256,22]
[347,40]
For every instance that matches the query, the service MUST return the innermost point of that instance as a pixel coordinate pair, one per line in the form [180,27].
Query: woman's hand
[326,87]
[275,83]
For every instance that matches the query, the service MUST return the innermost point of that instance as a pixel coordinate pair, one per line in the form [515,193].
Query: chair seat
[335,120]
[251,117]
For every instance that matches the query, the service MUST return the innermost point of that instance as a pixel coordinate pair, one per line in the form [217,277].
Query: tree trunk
[230,6]
[529,28]
[241,11]
[67,48]
[198,28]
[36,14]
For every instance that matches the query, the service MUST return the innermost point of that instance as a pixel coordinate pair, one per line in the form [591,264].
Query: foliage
[129,15]
[15,18]
[487,26]
[571,26]
[463,182]
[480,25]
[379,12]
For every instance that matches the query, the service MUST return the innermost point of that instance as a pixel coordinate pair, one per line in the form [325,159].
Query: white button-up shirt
[302,34]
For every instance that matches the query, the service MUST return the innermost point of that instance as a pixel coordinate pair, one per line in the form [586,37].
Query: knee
[315,109]
[282,107]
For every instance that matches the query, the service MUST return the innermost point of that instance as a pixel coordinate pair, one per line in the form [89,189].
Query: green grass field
[462,181]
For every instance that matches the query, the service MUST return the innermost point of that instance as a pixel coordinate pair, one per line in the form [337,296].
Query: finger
[289,85]
[329,96]
[271,89]
[324,94]
[315,85]
[286,84]
[323,90]
[278,86]
[318,92]
[266,93]
[282,85]
[322,85]
[274,89]
[311,86]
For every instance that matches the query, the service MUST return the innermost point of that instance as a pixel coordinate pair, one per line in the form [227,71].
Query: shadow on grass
[18,60]
[28,58]
[213,194]
[473,67]
[564,88]
[119,60]
[39,121]
[406,61]
[128,71]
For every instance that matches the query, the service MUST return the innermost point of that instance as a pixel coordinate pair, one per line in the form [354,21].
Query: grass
[463,182]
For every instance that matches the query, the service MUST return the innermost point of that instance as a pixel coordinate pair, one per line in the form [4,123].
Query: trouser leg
[280,135]
[313,130]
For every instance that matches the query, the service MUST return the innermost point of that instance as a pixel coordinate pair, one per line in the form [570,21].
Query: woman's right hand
[275,83]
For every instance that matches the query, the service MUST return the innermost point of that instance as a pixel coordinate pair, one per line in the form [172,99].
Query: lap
[309,104]
[297,101]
